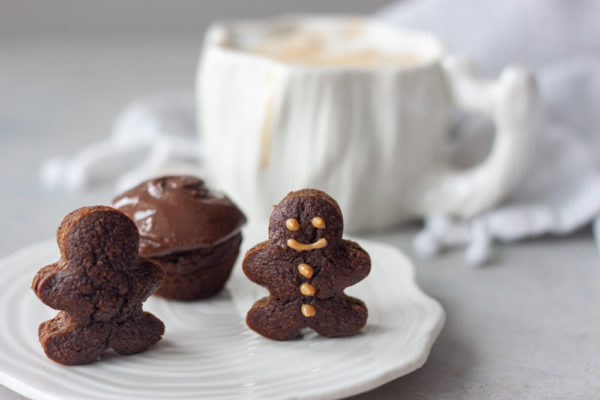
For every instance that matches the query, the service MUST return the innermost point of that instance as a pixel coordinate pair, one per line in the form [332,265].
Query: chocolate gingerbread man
[306,265]
[99,285]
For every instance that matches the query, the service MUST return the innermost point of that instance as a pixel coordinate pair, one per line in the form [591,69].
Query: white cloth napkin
[151,136]
[559,41]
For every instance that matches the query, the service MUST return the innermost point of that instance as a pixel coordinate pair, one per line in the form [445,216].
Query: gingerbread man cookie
[99,285]
[306,265]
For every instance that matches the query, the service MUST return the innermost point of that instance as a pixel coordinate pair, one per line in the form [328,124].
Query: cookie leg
[275,320]
[136,334]
[72,346]
[339,316]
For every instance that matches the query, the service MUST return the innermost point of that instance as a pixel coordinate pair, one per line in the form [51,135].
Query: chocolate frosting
[179,213]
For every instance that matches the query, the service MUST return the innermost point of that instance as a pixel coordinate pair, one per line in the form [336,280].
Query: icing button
[307,289]
[308,310]
[306,270]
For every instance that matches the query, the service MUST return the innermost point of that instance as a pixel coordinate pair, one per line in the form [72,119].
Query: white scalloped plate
[207,350]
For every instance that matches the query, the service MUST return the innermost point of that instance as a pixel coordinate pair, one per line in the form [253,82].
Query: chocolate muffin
[191,232]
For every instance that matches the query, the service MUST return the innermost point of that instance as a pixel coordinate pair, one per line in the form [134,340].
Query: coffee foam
[349,44]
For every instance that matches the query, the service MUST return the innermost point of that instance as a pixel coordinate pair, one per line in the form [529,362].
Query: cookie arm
[359,261]
[44,285]
[56,290]
[148,278]
[256,265]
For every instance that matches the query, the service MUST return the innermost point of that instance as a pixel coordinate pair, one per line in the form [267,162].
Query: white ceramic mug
[371,135]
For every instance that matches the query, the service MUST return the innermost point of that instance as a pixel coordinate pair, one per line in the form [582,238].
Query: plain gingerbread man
[99,283]
[306,265]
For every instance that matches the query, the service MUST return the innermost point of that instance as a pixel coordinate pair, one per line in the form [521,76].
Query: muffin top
[179,213]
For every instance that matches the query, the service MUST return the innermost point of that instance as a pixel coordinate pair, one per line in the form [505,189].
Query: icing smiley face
[293,225]
[306,220]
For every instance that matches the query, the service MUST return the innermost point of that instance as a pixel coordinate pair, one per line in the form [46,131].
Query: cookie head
[92,235]
[306,220]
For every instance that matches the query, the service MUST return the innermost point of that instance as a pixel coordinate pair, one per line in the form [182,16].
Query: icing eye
[318,223]
[292,224]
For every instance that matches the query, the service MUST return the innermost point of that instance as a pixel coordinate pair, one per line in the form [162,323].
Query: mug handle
[511,102]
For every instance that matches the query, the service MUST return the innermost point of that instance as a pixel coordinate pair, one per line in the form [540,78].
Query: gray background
[149,18]
[525,326]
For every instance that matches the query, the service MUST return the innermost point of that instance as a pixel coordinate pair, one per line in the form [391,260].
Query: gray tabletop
[526,326]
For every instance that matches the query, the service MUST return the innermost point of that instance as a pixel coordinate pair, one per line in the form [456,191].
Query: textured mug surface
[371,134]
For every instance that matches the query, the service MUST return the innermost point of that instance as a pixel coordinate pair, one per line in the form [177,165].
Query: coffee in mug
[325,47]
